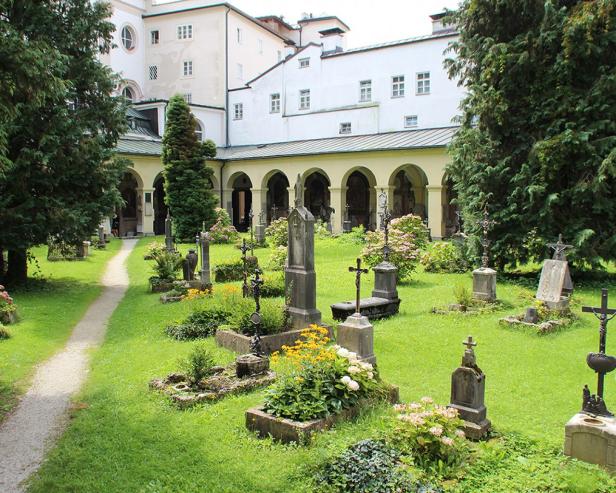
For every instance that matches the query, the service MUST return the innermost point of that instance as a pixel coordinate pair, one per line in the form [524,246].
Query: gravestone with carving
[467,394]
[484,278]
[555,285]
[203,242]
[300,277]
[260,229]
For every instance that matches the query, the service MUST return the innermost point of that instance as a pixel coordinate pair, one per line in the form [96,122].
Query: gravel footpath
[42,415]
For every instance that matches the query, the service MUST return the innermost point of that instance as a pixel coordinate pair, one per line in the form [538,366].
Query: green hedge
[234,270]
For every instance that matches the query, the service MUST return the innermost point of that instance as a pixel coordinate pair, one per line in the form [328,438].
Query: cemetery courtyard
[124,437]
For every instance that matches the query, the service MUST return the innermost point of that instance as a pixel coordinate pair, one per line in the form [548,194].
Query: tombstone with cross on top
[484,278]
[555,284]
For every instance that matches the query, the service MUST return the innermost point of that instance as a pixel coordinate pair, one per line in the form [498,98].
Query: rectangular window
[188,97]
[238,111]
[154,37]
[423,83]
[240,71]
[304,99]
[185,31]
[260,44]
[410,121]
[188,68]
[365,90]
[239,36]
[345,128]
[304,62]
[153,72]
[275,103]
[397,86]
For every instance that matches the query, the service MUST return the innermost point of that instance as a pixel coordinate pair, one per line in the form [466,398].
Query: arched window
[128,93]
[128,38]
[199,131]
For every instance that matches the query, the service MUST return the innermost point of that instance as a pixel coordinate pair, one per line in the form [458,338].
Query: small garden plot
[541,319]
[465,304]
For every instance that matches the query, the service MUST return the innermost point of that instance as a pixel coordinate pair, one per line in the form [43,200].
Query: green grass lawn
[129,439]
[48,311]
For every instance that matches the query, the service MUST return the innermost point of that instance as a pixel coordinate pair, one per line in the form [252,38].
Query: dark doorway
[358,199]
[316,197]
[241,202]
[278,196]
[128,213]
[404,197]
[160,208]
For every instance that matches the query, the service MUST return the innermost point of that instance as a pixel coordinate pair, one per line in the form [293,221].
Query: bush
[463,295]
[320,229]
[198,364]
[325,380]
[443,256]
[430,435]
[274,318]
[7,305]
[407,236]
[233,270]
[4,333]
[278,232]
[356,236]
[273,286]
[222,230]
[278,258]
[167,265]
[153,249]
[199,324]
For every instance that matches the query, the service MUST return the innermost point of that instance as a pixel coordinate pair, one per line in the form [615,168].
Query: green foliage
[198,364]
[443,256]
[155,248]
[59,124]
[167,265]
[278,232]
[407,236]
[187,177]
[356,236]
[278,258]
[4,332]
[430,436]
[233,270]
[542,159]
[7,304]
[369,466]
[199,324]
[320,229]
[222,231]
[274,317]
[273,286]
[462,295]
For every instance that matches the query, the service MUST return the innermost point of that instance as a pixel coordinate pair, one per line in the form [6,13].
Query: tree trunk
[2,266]
[17,272]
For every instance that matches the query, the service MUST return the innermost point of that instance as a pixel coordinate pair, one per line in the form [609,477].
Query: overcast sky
[371,21]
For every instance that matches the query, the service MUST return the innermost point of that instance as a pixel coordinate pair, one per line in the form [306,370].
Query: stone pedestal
[260,233]
[346,226]
[204,246]
[592,439]
[357,335]
[531,316]
[484,284]
[249,364]
[385,281]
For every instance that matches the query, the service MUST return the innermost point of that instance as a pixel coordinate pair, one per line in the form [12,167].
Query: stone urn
[191,260]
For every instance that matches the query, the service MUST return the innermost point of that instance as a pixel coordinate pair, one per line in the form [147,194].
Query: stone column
[337,200]
[435,212]
[227,200]
[259,203]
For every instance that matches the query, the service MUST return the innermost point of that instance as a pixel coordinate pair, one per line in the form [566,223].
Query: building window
[154,37]
[304,99]
[410,121]
[238,111]
[240,71]
[199,131]
[304,62]
[345,128]
[129,38]
[153,72]
[188,68]
[127,93]
[279,55]
[365,90]
[275,103]
[260,43]
[187,97]
[397,86]
[423,83]
[185,31]
[239,36]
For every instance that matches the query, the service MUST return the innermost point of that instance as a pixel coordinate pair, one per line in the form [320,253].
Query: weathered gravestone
[467,394]
[346,223]
[356,333]
[590,435]
[203,243]
[484,278]
[260,229]
[555,285]
[169,242]
[300,277]
[101,237]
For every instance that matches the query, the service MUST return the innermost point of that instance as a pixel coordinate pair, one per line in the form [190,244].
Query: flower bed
[8,308]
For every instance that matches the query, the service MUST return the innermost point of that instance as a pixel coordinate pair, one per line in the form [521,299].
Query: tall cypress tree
[187,178]
[537,141]
[59,125]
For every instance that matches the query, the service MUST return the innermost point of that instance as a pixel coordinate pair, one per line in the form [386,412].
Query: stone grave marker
[102,243]
[300,276]
[203,243]
[555,284]
[260,229]
[484,278]
[169,243]
[346,223]
[467,394]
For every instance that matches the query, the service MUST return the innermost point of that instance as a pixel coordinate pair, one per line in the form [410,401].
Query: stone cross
[169,232]
[358,272]
[252,236]
[559,248]
[299,192]
[486,224]
[255,342]
[469,343]
[600,362]
[203,245]
[244,248]
[274,213]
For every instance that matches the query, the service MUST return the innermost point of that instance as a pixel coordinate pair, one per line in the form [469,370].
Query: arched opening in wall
[317,196]
[451,216]
[241,200]
[199,130]
[277,200]
[129,215]
[128,94]
[361,200]
[409,196]
[160,208]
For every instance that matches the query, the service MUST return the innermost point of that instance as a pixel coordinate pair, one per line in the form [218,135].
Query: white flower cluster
[356,368]
[350,383]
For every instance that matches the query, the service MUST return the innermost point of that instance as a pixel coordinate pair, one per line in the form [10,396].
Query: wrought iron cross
[358,272]
[596,404]
[559,248]
[274,212]
[486,224]
[255,342]
[244,248]
[346,212]
[469,343]
[252,238]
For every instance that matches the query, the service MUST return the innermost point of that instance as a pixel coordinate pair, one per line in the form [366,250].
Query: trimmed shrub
[443,256]
[198,364]
[233,270]
[356,236]
[278,232]
[199,324]
[274,317]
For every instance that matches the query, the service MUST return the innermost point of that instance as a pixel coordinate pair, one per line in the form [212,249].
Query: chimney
[438,24]
[333,40]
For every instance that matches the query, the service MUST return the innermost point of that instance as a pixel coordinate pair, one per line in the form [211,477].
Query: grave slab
[592,439]
[373,308]
[357,335]
[484,284]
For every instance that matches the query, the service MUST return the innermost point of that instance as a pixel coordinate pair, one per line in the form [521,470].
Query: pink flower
[427,400]
[460,433]
[447,441]
[437,431]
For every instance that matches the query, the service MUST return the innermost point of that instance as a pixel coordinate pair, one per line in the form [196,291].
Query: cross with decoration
[486,224]
[244,248]
[358,272]
[274,212]
[385,220]
[255,318]
[252,239]
[559,248]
